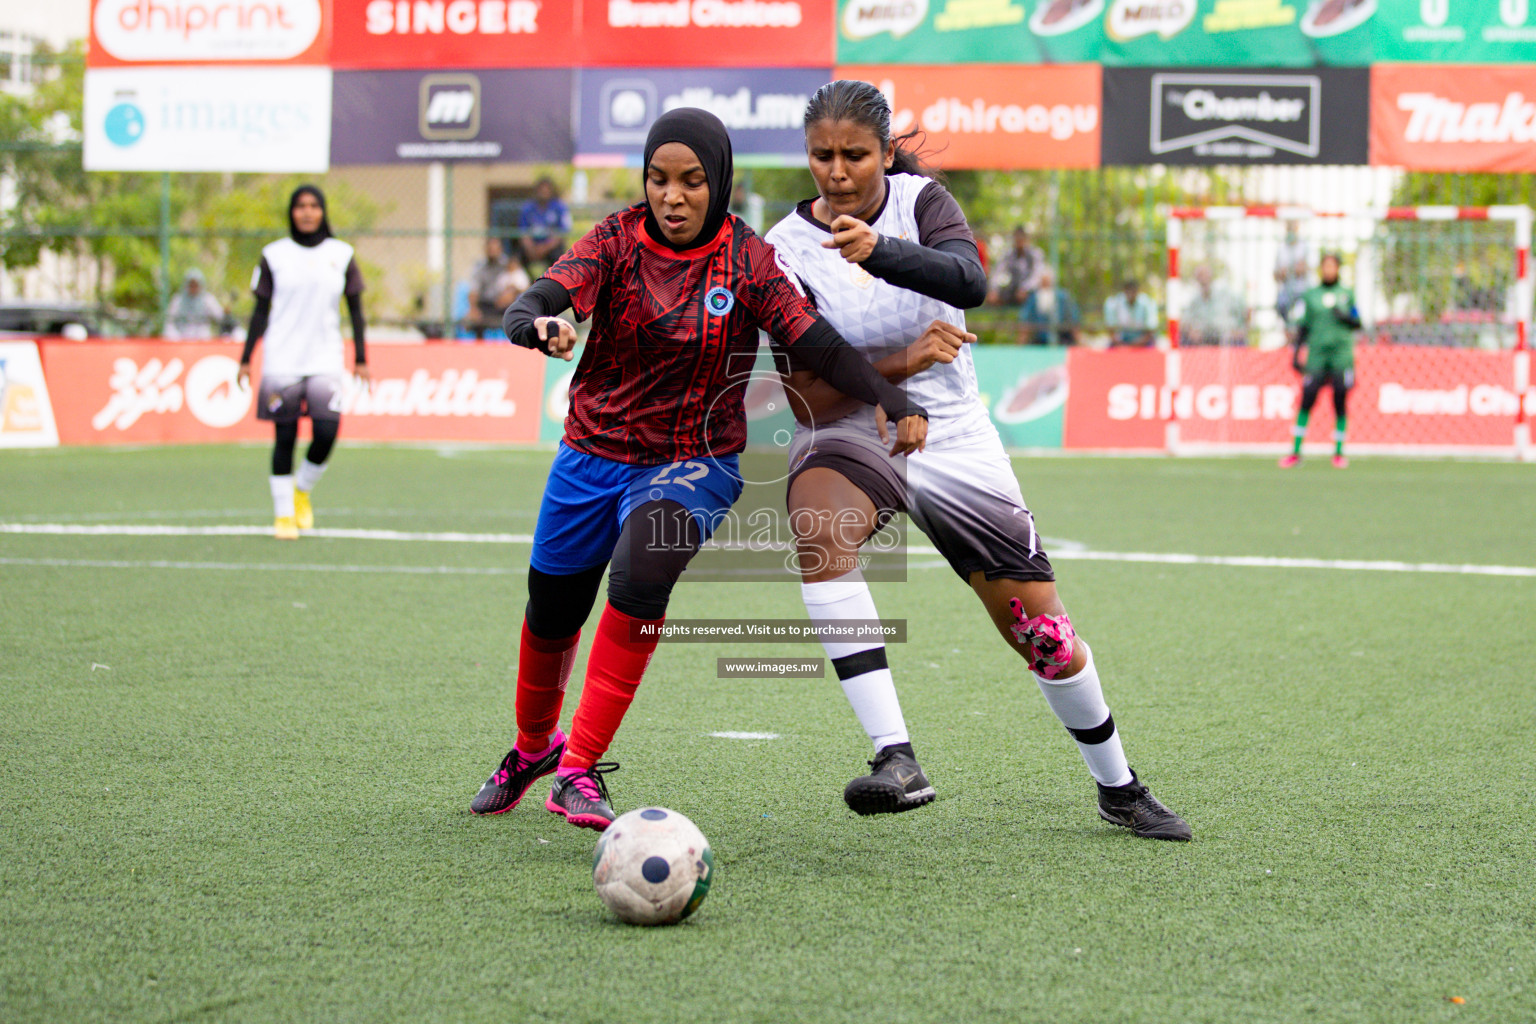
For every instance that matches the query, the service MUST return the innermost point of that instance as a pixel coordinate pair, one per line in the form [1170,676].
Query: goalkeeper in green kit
[1326,321]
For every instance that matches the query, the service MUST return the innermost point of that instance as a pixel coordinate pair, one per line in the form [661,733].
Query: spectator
[1214,316]
[513,282]
[544,222]
[1049,315]
[1018,272]
[1291,271]
[485,305]
[1470,296]
[193,313]
[1131,315]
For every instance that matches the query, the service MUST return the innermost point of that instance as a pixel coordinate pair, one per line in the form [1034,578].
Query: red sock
[614,668]
[543,667]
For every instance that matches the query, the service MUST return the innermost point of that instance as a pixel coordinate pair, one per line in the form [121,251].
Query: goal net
[1442,362]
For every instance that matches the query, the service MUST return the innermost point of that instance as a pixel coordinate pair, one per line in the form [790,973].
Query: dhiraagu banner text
[1213,33]
[1025,389]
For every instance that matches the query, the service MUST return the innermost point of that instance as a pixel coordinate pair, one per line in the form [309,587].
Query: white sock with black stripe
[1078,702]
[860,665]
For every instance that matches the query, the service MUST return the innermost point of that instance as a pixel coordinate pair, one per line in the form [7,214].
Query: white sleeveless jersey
[303,335]
[879,318]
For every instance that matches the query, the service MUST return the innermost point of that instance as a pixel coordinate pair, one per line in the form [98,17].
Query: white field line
[115,563]
[248,514]
[1065,552]
[1263,562]
[745,735]
[146,530]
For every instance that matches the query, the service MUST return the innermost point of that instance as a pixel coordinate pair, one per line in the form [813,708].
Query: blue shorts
[587,498]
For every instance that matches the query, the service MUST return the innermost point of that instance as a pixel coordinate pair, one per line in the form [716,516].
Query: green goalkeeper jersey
[1330,340]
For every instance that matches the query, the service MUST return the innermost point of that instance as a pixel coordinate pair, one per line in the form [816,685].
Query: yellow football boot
[286,528]
[303,511]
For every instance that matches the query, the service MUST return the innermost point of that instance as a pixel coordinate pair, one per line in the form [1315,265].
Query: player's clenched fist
[558,334]
[940,343]
[852,238]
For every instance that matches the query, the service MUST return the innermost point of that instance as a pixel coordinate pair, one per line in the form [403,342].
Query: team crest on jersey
[719,301]
[859,276]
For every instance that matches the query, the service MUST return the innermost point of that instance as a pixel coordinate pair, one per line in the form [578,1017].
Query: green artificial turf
[241,794]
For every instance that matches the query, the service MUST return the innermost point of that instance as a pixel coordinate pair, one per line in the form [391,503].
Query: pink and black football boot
[503,790]
[580,796]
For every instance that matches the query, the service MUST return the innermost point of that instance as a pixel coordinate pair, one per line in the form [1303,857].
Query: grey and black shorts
[285,399]
[962,494]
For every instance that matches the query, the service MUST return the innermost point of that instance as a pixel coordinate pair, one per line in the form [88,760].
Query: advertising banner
[1207,33]
[707,33]
[557,397]
[1025,390]
[994,117]
[382,117]
[430,34]
[1463,31]
[208,32]
[1462,118]
[764,109]
[26,415]
[1258,116]
[208,119]
[156,392]
[1113,401]
[1404,397]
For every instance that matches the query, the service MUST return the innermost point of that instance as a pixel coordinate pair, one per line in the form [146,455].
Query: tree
[143,230]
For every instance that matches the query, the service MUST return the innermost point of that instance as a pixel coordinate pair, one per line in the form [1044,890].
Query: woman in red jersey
[676,287]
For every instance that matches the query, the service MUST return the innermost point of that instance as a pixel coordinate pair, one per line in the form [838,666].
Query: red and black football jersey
[674,335]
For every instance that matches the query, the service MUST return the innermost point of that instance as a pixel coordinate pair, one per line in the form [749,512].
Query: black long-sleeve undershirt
[258,327]
[263,313]
[820,349]
[359,346]
[543,298]
[949,271]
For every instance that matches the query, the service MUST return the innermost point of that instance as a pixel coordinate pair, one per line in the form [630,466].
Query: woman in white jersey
[890,261]
[299,286]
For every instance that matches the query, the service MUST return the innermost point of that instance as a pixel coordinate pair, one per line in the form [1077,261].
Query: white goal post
[1445,296]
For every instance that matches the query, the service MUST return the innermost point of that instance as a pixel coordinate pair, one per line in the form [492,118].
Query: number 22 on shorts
[699,471]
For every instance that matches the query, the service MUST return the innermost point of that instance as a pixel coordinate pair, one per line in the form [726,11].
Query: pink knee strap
[1048,637]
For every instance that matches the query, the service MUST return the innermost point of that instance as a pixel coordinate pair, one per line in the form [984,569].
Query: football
[652,866]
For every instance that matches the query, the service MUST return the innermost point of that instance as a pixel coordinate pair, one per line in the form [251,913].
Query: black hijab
[703,133]
[320,234]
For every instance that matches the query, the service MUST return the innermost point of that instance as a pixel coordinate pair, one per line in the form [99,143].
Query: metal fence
[122,243]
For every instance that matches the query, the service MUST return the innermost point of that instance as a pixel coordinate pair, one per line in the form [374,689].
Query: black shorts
[1338,379]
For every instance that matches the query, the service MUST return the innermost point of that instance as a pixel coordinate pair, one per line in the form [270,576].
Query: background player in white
[299,286]
[890,261]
